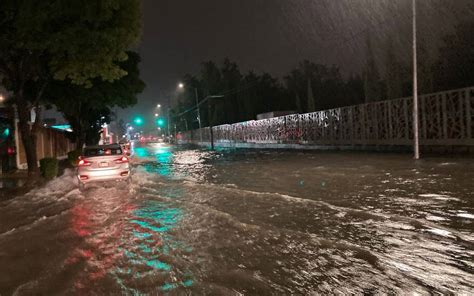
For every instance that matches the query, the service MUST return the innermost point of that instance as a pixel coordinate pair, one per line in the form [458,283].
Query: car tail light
[83,162]
[10,151]
[122,159]
[83,177]
[123,174]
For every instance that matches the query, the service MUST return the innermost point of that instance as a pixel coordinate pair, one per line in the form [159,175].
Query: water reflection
[150,249]
[263,222]
[177,164]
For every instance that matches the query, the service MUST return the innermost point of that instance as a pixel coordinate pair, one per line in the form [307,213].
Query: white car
[102,163]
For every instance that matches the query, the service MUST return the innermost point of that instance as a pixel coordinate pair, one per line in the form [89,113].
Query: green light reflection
[154,250]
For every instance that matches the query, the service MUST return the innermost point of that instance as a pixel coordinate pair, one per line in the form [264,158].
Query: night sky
[274,35]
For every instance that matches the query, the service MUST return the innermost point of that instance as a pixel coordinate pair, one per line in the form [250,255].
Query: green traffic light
[138,120]
[160,122]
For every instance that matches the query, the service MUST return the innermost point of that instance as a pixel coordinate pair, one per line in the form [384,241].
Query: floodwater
[233,222]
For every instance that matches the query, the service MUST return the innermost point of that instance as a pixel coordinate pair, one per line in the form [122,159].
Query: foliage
[373,85]
[311,87]
[455,66]
[88,108]
[49,168]
[319,87]
[77,41]
[394,73]
[245,96]
[72,157]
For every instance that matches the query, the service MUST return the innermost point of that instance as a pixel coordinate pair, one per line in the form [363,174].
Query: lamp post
[416,139]
[158,109]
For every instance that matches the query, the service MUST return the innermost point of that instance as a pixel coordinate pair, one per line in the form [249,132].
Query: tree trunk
[28,136]
[80,142]
[78,129]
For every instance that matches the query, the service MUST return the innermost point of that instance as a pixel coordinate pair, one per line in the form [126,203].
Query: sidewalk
[13,183]
[17,182]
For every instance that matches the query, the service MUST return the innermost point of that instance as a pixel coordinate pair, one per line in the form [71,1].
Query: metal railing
[446,118]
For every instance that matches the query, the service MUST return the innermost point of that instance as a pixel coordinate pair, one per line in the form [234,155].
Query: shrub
[72,156]
[49,168]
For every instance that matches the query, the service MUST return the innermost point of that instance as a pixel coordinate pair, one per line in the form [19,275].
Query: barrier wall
[50,143]
[445,119]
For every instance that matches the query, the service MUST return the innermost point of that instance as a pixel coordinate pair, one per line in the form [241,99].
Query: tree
[354,91]
[425,69]
[299,108]
[249,96]
[394,76]
[85,106]
[316,83]
[372,81]
[211,81]
[311,102]
[42,41]
[295,81]
[455,67]
[231,82]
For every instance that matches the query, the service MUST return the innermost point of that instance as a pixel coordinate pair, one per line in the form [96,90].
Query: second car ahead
[102,163]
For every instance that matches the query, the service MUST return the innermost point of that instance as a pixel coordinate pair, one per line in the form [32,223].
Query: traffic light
[160,122]
[138,120]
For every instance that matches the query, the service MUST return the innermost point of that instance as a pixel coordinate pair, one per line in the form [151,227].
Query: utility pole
[211,133]
[198,113]
[209,99]
[169,123]
[185,123]
[416,139]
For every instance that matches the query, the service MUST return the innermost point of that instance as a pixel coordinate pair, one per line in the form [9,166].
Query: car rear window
[90,152]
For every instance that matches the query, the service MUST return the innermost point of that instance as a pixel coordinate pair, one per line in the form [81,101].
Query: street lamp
[158,106]
[181,85]
[2,98]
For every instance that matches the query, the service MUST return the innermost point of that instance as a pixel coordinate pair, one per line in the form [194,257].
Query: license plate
[103,164]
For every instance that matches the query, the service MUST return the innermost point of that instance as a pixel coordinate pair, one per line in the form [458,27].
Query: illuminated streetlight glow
[158,106]
[181,85]
[156,114]
[2,98]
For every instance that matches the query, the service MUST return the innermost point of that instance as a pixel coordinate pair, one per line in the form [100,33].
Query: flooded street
[231,222]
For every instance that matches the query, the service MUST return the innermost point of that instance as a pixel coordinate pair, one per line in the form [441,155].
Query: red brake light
[10,151]
[122,159]
[83,162]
